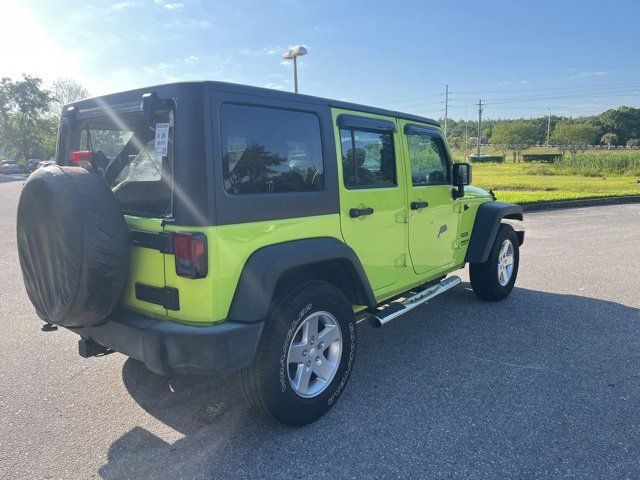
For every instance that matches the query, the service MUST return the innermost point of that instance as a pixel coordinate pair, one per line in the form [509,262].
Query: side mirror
[461,177]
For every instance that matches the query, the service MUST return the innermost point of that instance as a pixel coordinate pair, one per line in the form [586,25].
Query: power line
[550,88]
[446,108]
[528,99]
[631,87]
[564,97]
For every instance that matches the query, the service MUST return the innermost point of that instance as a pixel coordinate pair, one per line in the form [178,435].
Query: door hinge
[161,241]
[168,297]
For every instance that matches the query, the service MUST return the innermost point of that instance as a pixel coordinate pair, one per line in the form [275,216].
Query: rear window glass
[125,152]
[268,150]
[368,159]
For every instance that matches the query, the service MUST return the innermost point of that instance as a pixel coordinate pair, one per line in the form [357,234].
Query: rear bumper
[167,347]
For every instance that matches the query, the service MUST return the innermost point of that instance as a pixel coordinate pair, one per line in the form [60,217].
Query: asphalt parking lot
[543,385]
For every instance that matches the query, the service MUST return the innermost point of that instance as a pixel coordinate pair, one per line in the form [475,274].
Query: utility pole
[479,124]
[466,130]
[548,127]
[446,108]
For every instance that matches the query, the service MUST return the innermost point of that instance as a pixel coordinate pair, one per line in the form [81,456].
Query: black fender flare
[485,228]
[266,266]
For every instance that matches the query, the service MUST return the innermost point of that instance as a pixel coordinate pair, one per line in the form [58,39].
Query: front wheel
[305,356]
[493,280]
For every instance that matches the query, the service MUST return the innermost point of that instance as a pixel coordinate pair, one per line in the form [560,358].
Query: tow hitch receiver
[87,348]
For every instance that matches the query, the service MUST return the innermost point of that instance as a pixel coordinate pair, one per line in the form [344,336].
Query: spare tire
[73,246]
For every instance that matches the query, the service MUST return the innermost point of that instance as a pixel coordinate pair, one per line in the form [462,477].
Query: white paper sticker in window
[162,139]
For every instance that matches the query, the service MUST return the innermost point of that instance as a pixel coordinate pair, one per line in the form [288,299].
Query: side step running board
[404,305]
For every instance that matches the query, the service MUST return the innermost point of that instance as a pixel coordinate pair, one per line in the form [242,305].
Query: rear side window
[368,158]
[269,150]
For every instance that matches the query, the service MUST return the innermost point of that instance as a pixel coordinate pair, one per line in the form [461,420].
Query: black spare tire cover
[73,246]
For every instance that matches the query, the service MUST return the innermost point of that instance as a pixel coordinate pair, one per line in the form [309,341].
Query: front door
[372,196]
[433,220]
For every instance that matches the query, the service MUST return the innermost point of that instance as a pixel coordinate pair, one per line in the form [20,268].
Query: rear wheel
[305,356]
[493,280]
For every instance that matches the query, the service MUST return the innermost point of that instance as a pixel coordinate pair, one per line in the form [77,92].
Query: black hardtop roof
[174,89]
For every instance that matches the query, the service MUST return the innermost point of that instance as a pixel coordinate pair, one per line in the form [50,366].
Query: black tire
[266,382]
[484,276]
[73,246]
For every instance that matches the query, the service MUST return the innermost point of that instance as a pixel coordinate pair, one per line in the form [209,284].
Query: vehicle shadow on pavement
[538,385]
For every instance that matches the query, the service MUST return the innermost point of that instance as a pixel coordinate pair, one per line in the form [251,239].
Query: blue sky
[522,58]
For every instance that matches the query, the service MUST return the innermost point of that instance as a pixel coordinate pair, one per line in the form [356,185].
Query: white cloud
[599,73]
[272,50]
[274,86]
[286,63]
[123,5]
[191,59]
[177,6]
[587,74]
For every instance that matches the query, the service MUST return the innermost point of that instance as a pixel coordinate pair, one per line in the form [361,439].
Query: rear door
[147,265]
[433,219]
[372,196]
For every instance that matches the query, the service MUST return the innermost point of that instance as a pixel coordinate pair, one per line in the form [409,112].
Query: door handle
[419,205]
[360,212]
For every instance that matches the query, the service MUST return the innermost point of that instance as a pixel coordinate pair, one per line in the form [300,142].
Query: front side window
[368,158]
[269,150]
[429,165]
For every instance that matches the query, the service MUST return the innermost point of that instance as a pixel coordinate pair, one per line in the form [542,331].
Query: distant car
[9,168]
[31,165]
[479,155]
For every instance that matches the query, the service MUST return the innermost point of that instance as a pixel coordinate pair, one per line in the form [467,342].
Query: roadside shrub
[488,159]
[541,157]
[597,164]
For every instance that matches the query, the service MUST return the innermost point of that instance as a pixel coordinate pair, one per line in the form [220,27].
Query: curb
[584,202]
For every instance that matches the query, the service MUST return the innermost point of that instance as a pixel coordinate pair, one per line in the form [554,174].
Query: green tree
[609,139]
[633,143]
[515,136]
[623,121]
[573,136]
[25,129]
[66,90]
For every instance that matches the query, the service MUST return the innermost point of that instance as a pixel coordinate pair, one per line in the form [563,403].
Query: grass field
[587,175]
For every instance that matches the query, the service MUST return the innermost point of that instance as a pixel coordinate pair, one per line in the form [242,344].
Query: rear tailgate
[146,275]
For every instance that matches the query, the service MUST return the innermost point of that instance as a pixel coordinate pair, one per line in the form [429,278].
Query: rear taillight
[191,254]
[82,157]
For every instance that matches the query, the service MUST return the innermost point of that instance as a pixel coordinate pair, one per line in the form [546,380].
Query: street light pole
[293,54]
[548,127]
[479,126]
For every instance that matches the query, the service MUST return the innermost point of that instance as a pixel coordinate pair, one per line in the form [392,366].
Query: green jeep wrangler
[208,227]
